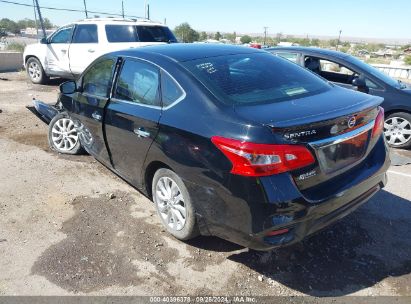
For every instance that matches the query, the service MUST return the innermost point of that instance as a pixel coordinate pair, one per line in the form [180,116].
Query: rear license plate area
[342,154]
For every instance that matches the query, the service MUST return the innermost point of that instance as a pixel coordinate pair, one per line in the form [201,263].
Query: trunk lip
[365,104]
[342,137]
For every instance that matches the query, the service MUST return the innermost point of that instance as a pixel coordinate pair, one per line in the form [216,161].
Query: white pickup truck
[70,49]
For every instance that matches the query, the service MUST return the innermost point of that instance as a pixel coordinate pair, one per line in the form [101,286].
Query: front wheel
[397,130]
[63,136]
[173,204]
[35,71]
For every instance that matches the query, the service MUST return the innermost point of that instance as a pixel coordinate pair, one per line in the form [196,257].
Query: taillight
[379,123]
[251,159]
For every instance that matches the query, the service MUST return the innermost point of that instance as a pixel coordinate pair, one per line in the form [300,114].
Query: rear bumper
[246,212]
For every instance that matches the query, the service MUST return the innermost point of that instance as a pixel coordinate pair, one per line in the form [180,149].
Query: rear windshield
[138,33]
[255,78]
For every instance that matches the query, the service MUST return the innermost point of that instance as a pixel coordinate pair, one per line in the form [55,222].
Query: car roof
[181,52]
[310,50]
[120,21]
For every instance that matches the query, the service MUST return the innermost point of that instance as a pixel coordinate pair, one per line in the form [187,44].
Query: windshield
[375,72]
[255,78]
[132,33]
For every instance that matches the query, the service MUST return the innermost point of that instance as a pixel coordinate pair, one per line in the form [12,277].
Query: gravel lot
[70,226]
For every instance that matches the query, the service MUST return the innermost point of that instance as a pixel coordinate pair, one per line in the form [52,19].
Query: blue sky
[356,18]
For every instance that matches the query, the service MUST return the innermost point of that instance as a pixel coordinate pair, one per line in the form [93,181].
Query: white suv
[70,49]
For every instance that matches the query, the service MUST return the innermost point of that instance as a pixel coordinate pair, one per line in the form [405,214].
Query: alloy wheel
[64,134]
[170,203]
[34,70]
[397,131]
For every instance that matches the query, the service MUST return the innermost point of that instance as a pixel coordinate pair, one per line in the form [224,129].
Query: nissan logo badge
[351,122]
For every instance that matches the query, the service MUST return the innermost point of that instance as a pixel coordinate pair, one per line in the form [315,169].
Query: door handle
[141,132]
[91,50]
[96,116]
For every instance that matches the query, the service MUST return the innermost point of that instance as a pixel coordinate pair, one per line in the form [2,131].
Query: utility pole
[148,11]
[145,8]
[122,8]
[35,20]
[41,19]
[85,8]
[338,41]
[265,34]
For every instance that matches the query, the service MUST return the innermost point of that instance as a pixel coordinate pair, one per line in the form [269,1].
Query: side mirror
[359,82]
[68,87]
[44,41]
[361,85]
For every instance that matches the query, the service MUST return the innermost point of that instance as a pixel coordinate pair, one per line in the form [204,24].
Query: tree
[407,60]
[203,36]
[185,33]
[48,24]
[315,42]
[9,25]
[245,39]
[217,36]
[26,22]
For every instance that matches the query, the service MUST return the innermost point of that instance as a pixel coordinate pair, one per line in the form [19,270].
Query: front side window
[138,82]
[97,80]
[170,90]
[62,36]
[85,33]
[330,70]
[255,78]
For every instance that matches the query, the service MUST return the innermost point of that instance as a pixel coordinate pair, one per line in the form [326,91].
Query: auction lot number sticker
[204,299]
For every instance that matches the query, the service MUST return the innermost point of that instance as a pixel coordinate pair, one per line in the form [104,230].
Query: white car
[70,49]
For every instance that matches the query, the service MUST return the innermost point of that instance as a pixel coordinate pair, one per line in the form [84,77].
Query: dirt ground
[70,226]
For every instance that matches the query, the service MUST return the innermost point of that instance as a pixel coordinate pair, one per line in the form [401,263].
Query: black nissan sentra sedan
[228,141]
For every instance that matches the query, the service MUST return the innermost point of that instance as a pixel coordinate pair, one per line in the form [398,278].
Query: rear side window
[85,33]
[255,78]
[289,56]
[155,34]
[120,33]
[97,80]
[171,91]
[138,82]
[132,33]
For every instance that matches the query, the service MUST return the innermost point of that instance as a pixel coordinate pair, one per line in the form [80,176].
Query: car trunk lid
[336,126]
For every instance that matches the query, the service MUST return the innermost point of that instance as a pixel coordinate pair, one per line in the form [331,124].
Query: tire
[172,211]
[35,71]
[397,130]
[62,135]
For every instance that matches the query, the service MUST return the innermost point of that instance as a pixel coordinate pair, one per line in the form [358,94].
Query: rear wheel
[397,130]
[35,71]
[63,136]
[173,204]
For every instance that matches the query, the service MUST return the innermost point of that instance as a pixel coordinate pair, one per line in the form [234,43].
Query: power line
[68,9]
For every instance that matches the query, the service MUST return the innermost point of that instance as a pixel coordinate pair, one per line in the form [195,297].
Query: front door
[332,71]
[132,116]
[89,104]
[84,48]
[57,62]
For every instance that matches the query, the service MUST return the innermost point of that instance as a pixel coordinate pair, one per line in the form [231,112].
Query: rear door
[89,104]
[57,61]
[132,116]
[84,48]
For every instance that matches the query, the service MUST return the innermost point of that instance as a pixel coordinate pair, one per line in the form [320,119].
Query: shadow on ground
[360,251]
